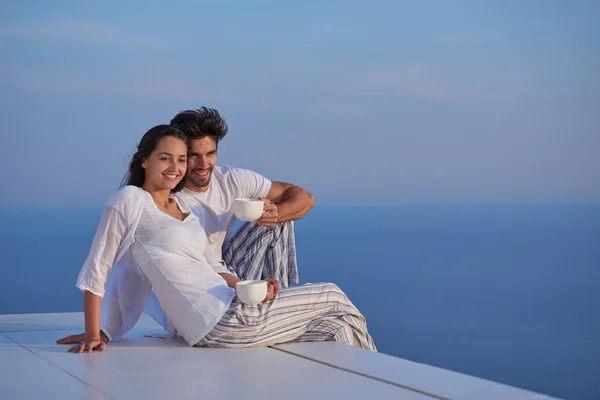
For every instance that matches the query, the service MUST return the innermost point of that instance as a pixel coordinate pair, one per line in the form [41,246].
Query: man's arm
[285,202]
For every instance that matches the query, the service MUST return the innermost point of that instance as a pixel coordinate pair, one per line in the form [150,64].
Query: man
[259,250]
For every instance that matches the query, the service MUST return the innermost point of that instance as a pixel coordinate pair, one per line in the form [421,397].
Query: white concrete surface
[425,378]
[33,366]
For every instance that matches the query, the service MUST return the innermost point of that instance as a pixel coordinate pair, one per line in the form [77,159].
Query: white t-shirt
[226,184]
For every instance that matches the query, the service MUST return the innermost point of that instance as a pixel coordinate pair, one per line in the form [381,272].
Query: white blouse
[168,252]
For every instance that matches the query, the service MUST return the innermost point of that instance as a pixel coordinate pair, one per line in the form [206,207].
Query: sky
[370,103]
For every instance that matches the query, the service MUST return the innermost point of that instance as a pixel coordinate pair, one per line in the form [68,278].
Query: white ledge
[32,365]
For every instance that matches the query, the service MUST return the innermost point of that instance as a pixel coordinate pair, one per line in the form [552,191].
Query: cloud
[336,89]
[152,83]
[460,40]
[320,90]
[419,81]
[88,32]
[460,83]
[171,82]
[335,108]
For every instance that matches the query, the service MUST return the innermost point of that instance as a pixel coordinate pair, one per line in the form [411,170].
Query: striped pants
[308,313]
[256,252]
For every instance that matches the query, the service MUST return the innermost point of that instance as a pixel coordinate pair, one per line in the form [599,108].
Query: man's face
[202,158]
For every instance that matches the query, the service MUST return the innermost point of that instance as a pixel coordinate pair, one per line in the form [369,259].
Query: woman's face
[166,166]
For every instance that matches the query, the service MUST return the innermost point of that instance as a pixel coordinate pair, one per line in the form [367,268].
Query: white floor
[33,366]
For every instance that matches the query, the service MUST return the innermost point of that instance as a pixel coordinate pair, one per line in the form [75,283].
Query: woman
[166,240]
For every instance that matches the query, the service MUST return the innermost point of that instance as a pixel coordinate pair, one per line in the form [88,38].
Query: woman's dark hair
[136,174]
[197,124]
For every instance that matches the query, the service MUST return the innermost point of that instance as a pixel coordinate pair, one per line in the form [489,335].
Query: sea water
[510,293]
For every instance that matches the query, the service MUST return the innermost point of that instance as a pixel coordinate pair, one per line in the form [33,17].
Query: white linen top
[169,252]
[129,293]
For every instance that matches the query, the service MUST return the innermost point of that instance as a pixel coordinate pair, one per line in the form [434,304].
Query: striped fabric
[256,252]
[308,313]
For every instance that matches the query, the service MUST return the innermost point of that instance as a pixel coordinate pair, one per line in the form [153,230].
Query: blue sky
[381,102]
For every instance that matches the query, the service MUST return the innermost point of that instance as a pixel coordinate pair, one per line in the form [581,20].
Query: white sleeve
[220,268]
[251,184]
[103,252]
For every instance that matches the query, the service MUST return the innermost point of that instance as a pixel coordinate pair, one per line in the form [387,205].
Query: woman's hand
[88,344]
[272,289]
[72,339]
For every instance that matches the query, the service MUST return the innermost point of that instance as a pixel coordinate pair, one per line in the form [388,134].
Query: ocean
[509,293]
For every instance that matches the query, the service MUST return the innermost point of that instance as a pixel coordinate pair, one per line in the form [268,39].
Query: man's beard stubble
[196,182]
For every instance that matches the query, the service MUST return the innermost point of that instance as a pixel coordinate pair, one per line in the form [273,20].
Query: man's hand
[272,289]
[73,339]
[270,216]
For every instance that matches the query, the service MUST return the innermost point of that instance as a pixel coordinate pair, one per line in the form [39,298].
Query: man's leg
[311,313]
[256,252]
[342,329]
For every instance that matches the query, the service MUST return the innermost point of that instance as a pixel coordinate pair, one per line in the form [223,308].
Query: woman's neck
[160,197]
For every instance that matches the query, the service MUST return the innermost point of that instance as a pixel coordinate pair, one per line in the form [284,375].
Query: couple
[160,249]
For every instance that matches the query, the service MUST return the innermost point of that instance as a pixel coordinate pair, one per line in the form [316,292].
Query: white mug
[248,209]
[251,292]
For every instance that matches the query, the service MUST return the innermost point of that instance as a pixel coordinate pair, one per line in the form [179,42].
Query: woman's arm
[230,279]
[91,307]
[272,285]
[103,252]
[93,275]
[91,339]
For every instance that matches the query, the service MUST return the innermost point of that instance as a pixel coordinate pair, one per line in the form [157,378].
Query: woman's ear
[144,163]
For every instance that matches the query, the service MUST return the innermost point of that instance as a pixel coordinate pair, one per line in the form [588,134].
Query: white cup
[251,292]
[248,209]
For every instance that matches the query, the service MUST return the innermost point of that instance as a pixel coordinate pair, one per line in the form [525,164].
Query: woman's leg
[127,290]
[313,312]
[192,296]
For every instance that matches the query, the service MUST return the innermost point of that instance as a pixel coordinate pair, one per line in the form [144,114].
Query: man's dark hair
[200,123]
